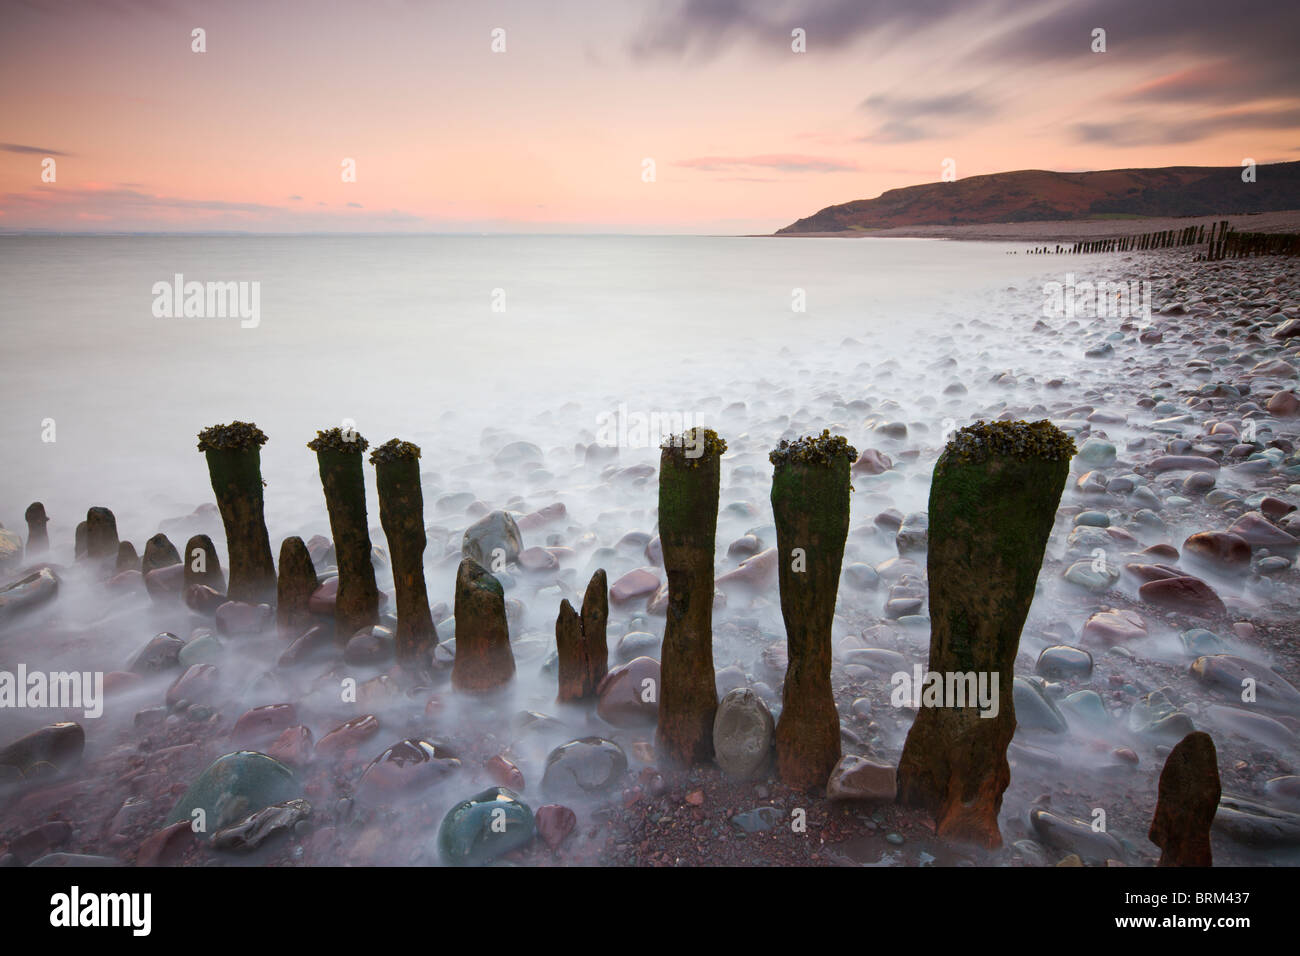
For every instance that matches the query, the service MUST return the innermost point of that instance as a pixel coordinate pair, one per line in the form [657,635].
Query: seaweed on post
[234,459]
[993,500]
[689,477]
[810,502]
[401,512]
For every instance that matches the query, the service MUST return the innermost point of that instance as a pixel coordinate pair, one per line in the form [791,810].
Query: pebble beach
[1167,602]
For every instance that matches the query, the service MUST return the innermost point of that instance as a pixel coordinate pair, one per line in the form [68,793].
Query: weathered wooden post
[234,459]
[810,502]
[101,534]
[294,587]
[580,642]
[38,540]
[1187,802]
[338,456]
[401,512]
[484,661]
[689,476]
[993,500]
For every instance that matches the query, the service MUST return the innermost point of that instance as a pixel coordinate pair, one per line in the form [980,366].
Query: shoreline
[1063,230]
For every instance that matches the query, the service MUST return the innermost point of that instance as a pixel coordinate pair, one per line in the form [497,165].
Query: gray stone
[742,733]
[586,765]
[1063,660]
[1035,710]
[1069,835]
[913,533]
[492,539]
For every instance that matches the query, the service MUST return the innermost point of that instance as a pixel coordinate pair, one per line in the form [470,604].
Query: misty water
[470,345]
[400,336]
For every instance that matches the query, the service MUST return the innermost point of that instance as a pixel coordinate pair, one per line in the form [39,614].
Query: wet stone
[409,766]
[233,786]
[638,644]
[1224,674]
[859,778]
[262,724]
[757,820]
[484,827]
[628,696]
[261,827]
[348,735]
[493,541]
[555,823]
[235,618]
[1155,717]
[586,765]
[1085,710]
[162,653]
[1197,641]
[1091,575]
[743,730]
[1034,710]
[370,645]
[1063,660]
[1066,834]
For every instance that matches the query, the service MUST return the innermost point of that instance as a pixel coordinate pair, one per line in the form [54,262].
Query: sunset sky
[552,134]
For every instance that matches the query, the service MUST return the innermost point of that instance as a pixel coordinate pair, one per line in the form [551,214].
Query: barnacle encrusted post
[338,454]
[38,539]
[234,454]
[810,502]
[993,499]
[484,660]
[689,473]
[580,645]
[401,512]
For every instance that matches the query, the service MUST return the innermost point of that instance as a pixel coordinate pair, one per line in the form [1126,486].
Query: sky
[618,116]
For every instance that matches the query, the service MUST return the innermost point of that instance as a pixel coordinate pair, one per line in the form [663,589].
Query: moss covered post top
[693,447]
[342,441]
[394,450]
[811,476]
[1024,441]
[824,449]
[690,471]
[237,436]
